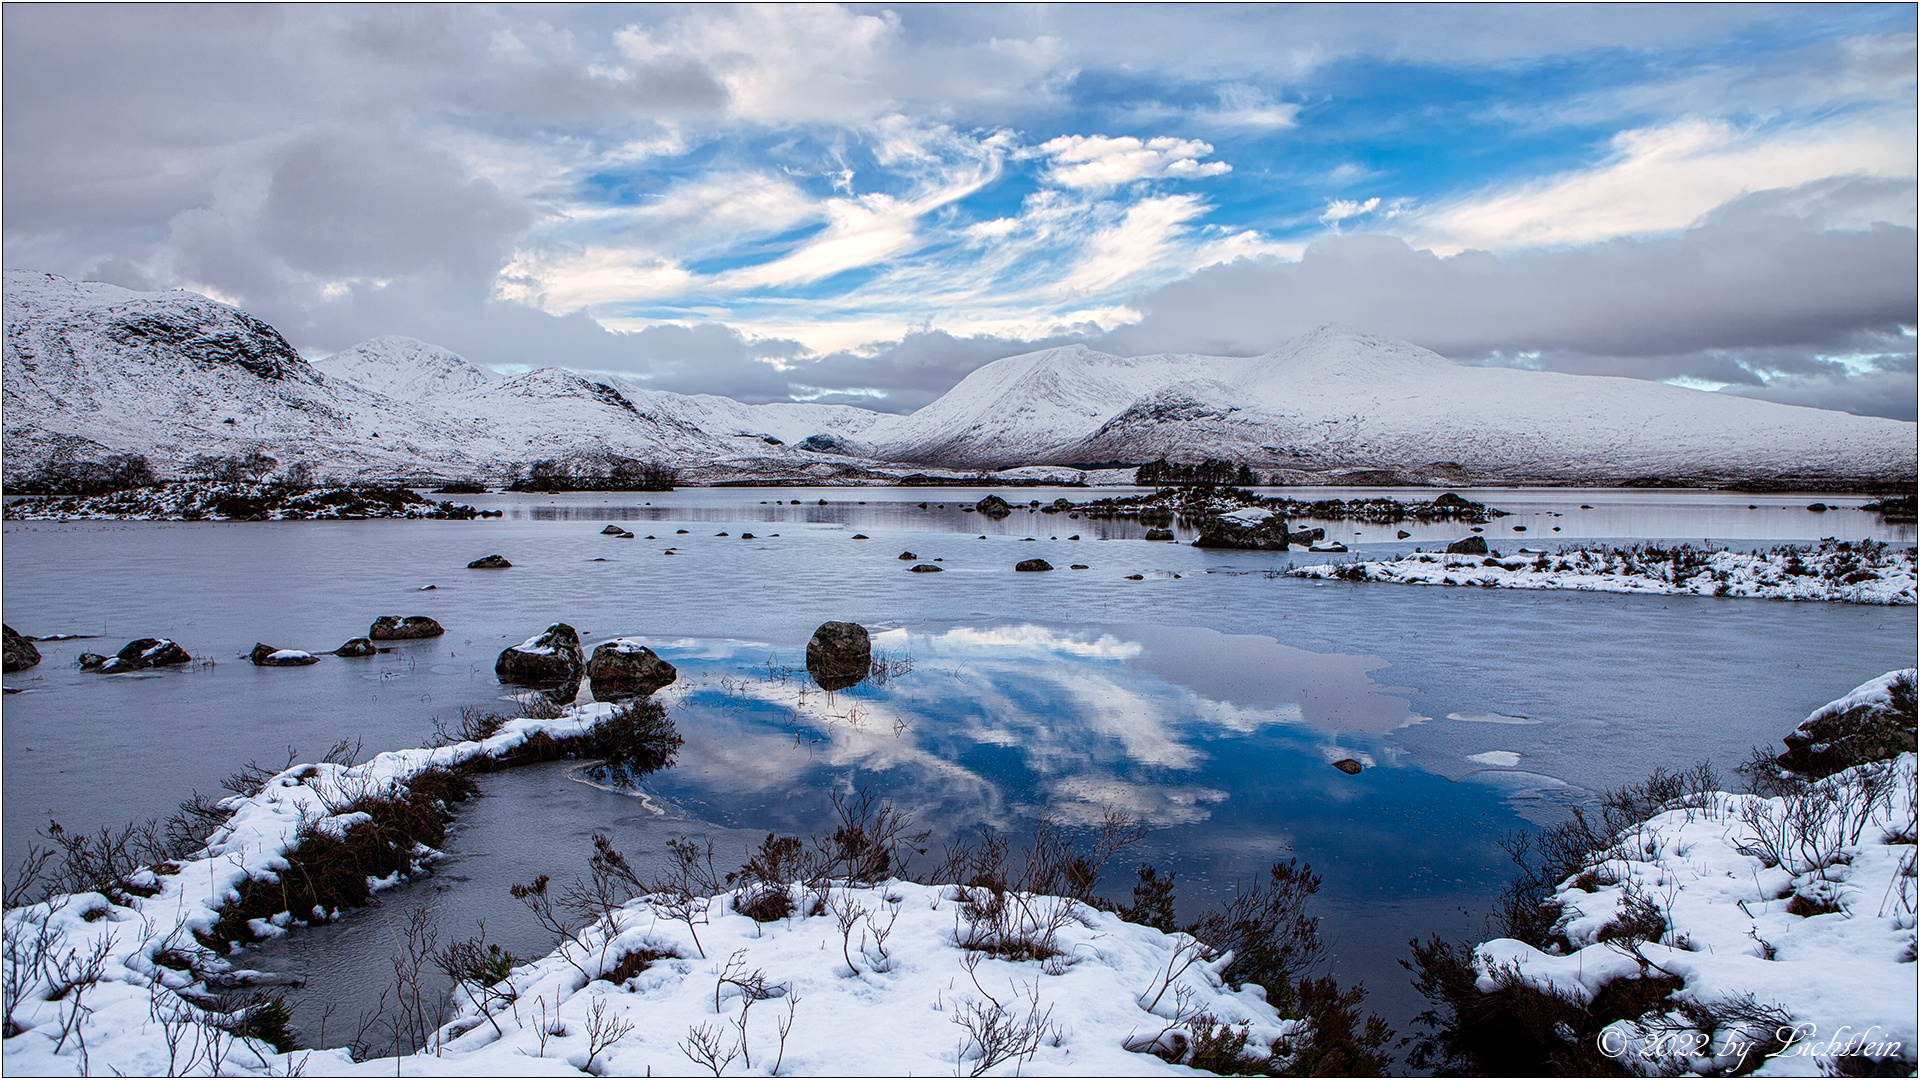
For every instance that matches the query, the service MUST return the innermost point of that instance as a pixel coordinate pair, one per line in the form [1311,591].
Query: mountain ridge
[92,370]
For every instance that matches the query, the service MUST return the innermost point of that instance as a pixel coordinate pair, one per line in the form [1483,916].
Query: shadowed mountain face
[93,370]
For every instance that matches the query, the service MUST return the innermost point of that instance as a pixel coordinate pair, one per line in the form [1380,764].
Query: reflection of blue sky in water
[1221,743]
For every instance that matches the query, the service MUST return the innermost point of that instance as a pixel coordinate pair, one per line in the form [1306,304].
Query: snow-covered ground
[1793,914]
[862,978]
[1857,573]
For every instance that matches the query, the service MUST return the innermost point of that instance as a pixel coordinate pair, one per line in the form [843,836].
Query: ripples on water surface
[1207,699]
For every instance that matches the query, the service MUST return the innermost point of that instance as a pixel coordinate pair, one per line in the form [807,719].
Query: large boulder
[1874,723]
[267,656]
[20,653]
[490,562]
[395,628]
[839,655]
[1251,527]
[1033,565]
[145,653]
[1472,545]
[994,506]
[623,669]
[550,660]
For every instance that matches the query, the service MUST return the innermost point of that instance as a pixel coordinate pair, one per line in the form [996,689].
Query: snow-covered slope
[405,369]
[1341,399]
[92,370]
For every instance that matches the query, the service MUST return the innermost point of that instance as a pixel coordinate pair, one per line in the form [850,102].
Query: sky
[861,204]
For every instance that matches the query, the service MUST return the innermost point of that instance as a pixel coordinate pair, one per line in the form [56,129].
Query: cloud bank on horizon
[863,204]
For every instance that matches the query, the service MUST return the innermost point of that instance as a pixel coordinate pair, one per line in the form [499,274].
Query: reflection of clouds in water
[1082,712]
[1084,800]
[1061,717]
[1027,636]
[739,744]
[1332,692]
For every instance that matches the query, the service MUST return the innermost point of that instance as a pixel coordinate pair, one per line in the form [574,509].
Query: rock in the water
[994,506]
[1818,508]
[491,562]
[1472,545]
[925,568]
[1159,534]
[612,530]
[1078,566]
[1348,766]
[550,661]
[1454,501]
[1250,527]
[1403,534]
[1033,564]
[395,628]
[357,647]
[19,652]
[908,556]
[1136,577]
[90,660]
[268,656]
[1836,738]
[623,669]
[146,653]
[839,655]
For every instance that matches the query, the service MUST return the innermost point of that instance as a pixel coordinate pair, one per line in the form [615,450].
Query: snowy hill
[1339,399]
[92,370]
[405,369]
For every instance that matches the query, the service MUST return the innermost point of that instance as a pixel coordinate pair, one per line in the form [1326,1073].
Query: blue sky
[862,203]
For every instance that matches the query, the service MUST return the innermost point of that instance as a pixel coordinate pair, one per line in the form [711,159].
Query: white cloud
[1340,210]
[1097,162]
[1664,178]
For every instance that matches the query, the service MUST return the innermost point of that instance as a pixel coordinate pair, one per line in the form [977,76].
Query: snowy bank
[1863,572]
[1734,932]
[95,981]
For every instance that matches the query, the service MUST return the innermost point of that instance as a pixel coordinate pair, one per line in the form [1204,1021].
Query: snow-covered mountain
[1340,399]
[92,370]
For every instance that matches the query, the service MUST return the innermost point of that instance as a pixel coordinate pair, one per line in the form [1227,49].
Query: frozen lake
[1208,699]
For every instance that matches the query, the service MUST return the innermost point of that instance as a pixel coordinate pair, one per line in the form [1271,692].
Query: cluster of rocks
[553,662]
[195,500]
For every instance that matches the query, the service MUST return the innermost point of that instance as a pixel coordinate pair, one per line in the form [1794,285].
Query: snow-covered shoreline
[119,1016]
[1782,929]
[1864,572]
[860,976]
